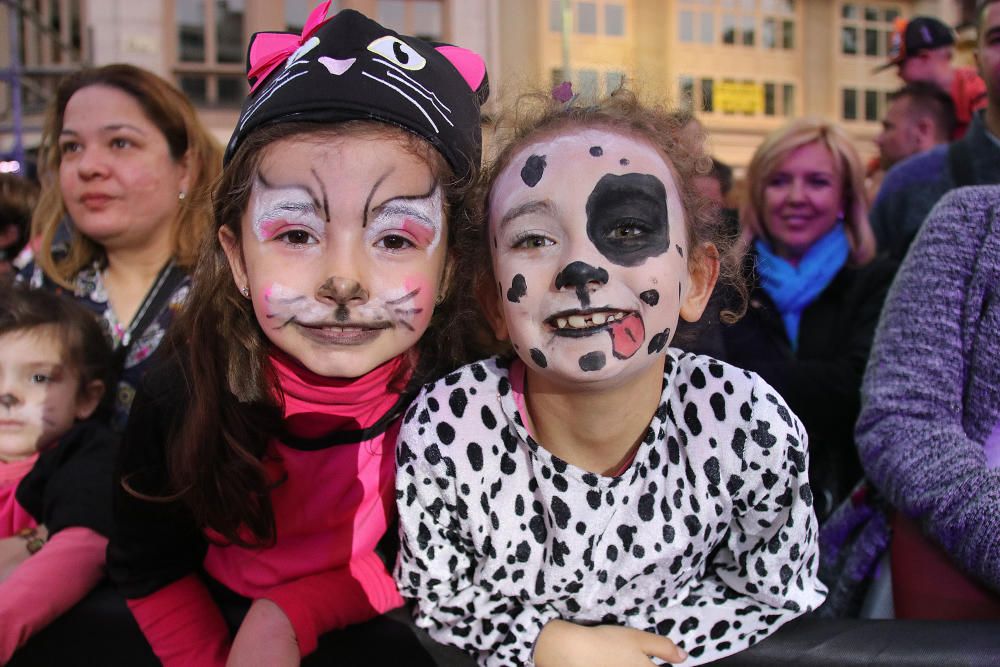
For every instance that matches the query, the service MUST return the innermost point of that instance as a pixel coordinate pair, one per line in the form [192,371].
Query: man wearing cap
[912,187]
[921,50]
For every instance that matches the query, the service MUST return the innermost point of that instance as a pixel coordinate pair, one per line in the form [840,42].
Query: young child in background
[600,498]
[258,461]
[55,461]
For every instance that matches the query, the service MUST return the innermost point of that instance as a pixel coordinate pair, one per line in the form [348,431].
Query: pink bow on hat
[270,49]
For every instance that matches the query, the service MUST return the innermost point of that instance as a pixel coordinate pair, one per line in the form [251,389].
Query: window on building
[707,27]
[770,108]
[866,29]
[871,105]
[707,101]
[586,18]
[421,18]
[613,81]
[614,20]
[686,92]
[685,26]
[555,15]
[728,29]
[210,71]
[297,11]
[850,104]
[788,100]
[587,84]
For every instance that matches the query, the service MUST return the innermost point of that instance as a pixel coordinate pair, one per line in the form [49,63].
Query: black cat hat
[349,67]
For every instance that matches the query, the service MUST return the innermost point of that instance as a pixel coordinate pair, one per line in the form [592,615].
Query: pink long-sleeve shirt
[336,503]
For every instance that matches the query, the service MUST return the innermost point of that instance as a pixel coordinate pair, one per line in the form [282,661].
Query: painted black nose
[580,274]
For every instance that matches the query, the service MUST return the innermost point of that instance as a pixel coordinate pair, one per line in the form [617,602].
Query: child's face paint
[589,251]
[38,392]
[342,251]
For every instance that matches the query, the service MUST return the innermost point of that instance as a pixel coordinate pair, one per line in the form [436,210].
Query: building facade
[743,66]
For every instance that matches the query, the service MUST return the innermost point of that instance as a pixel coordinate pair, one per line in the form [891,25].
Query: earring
[440,299]
[245,291]
[181,195]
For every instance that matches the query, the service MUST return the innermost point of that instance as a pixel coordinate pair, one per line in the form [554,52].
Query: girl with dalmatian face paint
[261,456]
[598,497]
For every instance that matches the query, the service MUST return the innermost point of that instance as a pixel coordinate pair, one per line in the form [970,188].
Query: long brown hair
[170,111]
[216,456]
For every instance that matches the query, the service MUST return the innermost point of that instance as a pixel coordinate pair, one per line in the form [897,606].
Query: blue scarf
[792,288]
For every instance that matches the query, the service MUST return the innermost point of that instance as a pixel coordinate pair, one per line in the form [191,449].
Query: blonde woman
[816,290]
[128,170]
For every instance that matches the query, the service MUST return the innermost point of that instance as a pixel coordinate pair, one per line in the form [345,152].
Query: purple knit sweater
[931,394]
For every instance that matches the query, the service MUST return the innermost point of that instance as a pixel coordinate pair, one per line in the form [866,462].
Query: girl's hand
[568,644]
[265,638]
[14,551]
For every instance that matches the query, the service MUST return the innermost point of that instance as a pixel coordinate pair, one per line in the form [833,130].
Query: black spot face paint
[658,341]
[596,151]
[592,361]
[539,358]
[680,250]
[650,296]
[532,170]
[623,162]
[580,275]
[627,218]
[518,288]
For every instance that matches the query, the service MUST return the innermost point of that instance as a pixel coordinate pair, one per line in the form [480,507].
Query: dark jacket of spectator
[819,379]
[912,187]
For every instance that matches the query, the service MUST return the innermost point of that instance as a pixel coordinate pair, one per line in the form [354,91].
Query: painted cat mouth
[585,322]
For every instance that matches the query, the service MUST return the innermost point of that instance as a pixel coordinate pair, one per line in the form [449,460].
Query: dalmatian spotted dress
[708,537]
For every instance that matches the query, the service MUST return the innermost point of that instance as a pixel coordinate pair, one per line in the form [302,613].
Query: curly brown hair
[535,115]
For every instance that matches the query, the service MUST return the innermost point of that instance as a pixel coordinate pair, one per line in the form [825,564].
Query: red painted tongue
[627,336]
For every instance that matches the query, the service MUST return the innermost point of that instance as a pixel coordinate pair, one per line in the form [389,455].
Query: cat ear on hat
[471,66]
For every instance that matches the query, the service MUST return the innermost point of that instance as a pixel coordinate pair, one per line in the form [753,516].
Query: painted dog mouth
[575,323]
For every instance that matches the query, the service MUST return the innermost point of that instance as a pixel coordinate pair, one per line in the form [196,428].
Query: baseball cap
[917,34]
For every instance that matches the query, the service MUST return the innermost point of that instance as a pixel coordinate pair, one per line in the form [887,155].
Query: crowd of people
[563,404]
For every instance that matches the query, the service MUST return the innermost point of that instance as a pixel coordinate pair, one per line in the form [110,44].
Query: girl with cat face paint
[258,461]
[599,497]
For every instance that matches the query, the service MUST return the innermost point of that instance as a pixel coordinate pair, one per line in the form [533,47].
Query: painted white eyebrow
[393,208]
[527,208]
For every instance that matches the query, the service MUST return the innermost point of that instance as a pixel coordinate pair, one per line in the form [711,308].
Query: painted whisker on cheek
[406,297]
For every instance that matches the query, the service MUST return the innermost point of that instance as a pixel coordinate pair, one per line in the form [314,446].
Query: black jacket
[821,380]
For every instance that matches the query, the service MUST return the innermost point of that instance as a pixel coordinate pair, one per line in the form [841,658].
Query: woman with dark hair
[128,169]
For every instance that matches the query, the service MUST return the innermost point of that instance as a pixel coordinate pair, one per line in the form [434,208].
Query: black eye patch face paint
[627,218]
[532,170]
[518,288]
[650,296]
[592,361]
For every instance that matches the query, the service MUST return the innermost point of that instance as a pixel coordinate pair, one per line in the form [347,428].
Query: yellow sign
[735,97]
